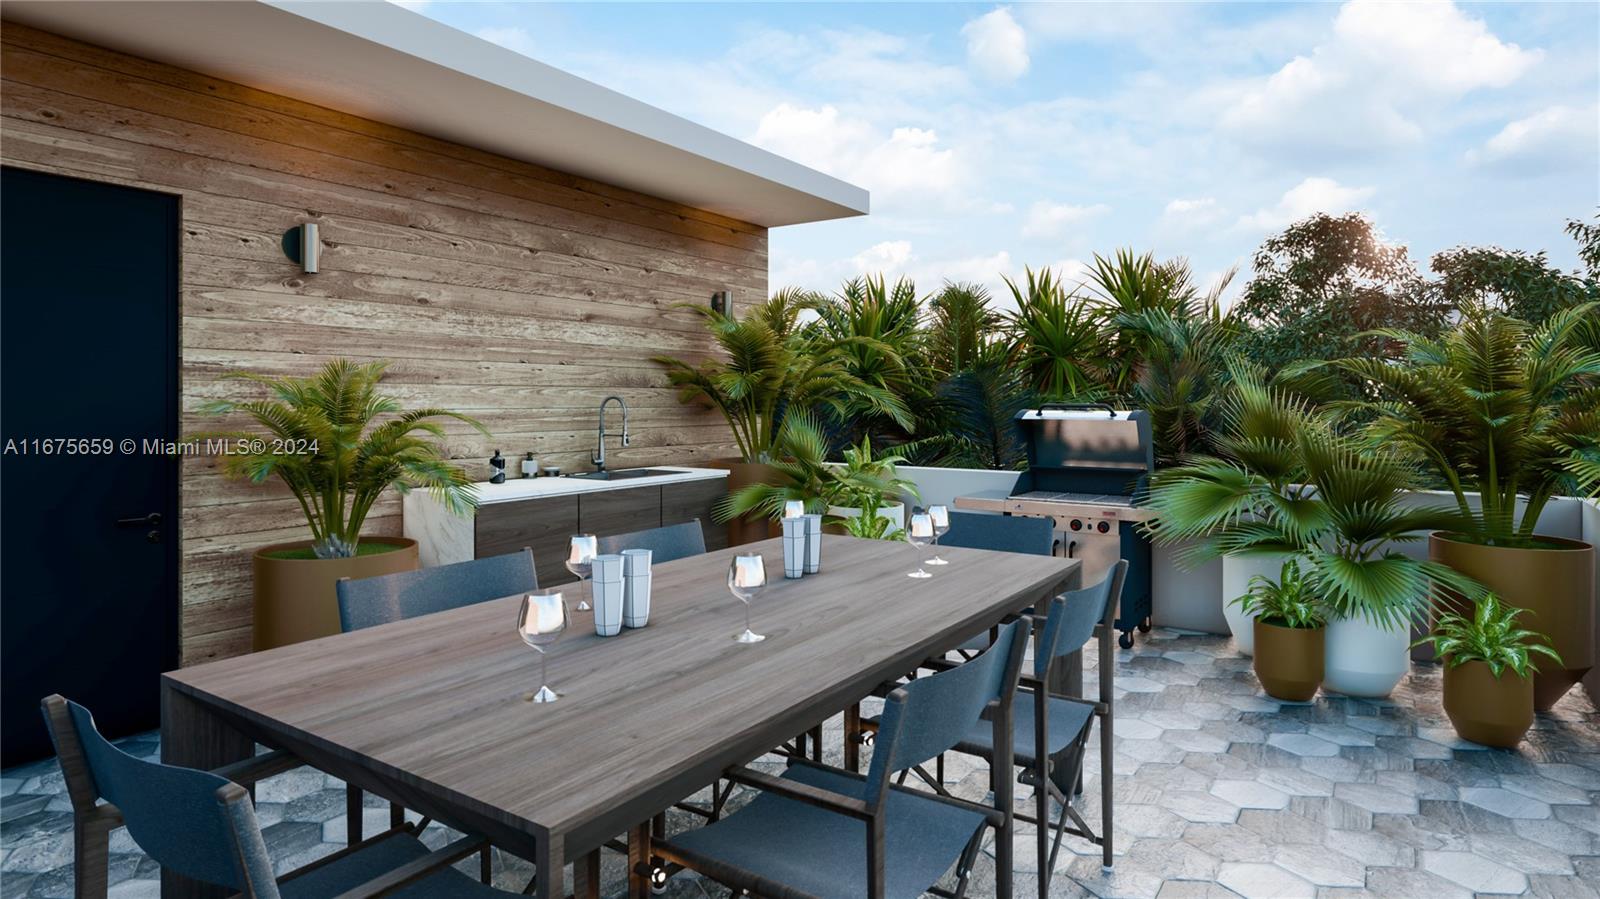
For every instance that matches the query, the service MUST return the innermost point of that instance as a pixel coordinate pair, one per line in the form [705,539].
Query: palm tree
[772,364]
[1056,339]
[876,330]
[1494,407]
[1129,289]
[324,441]
[961,324]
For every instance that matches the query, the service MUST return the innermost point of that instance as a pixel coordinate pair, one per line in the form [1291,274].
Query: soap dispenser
[497,468]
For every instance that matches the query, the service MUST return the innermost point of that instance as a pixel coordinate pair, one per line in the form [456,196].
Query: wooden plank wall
[516,294]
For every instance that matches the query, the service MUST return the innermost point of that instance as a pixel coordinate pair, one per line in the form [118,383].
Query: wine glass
[747,576]
[794,508]
[919,533]
[540,622]
[941,526]
[580,561]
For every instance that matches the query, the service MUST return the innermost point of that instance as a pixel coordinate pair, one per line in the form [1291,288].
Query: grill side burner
[1088,466]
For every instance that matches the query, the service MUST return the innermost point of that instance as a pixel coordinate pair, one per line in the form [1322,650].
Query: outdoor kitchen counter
[516,488]
[542,513]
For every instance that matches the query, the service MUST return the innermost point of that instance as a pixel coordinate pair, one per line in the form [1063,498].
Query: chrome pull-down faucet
[599,457]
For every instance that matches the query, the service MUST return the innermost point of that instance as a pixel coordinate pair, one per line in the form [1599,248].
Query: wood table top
[646,717]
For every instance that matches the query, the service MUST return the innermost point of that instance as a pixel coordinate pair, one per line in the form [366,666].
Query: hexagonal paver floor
[1220,791]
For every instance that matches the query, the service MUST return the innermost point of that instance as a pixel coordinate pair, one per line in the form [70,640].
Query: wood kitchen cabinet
[696,499]
[543,524]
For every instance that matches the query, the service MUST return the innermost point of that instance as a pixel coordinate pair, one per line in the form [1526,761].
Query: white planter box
[1363,659]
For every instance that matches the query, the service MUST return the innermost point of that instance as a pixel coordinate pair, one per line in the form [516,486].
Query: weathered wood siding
[519,295]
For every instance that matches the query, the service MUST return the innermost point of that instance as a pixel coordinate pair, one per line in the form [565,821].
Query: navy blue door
[88,529]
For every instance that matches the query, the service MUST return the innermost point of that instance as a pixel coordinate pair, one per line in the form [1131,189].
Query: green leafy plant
[769,365]
[324,439]
[1497,408]
[867,479]
[1292,600]
[869,525]
[804,474]
[1287,481]
[1056,339]
[1491,636]
[961,327]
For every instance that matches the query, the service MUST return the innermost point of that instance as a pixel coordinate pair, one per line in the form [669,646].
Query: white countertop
[531,488]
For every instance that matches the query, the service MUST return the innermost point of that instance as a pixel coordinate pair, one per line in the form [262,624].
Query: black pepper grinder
[497,468]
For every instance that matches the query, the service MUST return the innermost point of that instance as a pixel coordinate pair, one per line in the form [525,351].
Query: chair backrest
[1006,533]
[371,601]
[929,715]
[675,541]
[1074,614]
[193,822]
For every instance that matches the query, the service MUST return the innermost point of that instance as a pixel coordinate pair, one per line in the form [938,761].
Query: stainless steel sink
[624,474]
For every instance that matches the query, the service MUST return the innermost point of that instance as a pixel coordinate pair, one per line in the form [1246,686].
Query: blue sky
[998,136]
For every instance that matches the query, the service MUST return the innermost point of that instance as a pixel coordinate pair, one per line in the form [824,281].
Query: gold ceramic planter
[295,599]
[1289,660]
[1494,711]
[1555,585]
[742,474]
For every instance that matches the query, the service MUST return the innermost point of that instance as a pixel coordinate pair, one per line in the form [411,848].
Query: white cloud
[1195,213]
[996,45]
[1054,219]
[511,37]
[890,255]
[1310,196]
[907,162]
[1374,83]
[1554,139]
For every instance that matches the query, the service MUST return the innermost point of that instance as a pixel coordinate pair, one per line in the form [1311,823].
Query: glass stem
[544,668]
[747,616]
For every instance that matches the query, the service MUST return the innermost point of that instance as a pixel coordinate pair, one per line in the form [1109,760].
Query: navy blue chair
[202,825]
[1052,732]
[371,601]
[675,541]
[825,833]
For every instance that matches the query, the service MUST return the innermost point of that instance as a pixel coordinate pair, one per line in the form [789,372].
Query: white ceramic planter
[1364,659]
[1236,574]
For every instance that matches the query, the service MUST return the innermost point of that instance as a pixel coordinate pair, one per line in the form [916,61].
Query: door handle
[151,520]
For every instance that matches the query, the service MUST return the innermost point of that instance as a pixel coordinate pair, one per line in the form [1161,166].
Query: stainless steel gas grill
[1088,467]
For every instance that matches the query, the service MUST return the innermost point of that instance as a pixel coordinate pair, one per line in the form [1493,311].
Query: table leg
[586,876]
[193,737]
[551,852]
[852,737]
[639,853]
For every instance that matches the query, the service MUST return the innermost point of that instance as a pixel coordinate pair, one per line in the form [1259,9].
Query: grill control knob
[1077,525]
[1103,527]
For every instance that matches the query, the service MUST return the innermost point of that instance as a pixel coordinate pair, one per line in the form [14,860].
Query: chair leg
[1041,806]
[1105,791]
[91,860]
[816,743]
[397,814]
[486,865]
[352,814]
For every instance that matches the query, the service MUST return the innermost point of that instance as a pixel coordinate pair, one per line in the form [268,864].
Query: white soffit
[380,61]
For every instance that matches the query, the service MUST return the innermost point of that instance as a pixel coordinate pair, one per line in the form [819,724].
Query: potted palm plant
[1289,632]
[1505,416]
[1488,671]
[1290,483]
[770,365]
[338,445]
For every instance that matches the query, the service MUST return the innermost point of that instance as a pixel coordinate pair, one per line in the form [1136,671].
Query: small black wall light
[722,301]
[303,245]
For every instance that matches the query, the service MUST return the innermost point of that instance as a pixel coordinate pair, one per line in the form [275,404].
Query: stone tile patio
[1220,791]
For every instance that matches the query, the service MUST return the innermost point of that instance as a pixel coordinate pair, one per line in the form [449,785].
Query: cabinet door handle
[151,520]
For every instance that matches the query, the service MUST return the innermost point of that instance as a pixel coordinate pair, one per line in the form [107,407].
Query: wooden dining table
[433,712]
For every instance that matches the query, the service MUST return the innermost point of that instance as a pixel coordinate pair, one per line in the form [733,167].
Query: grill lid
[1082,436]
